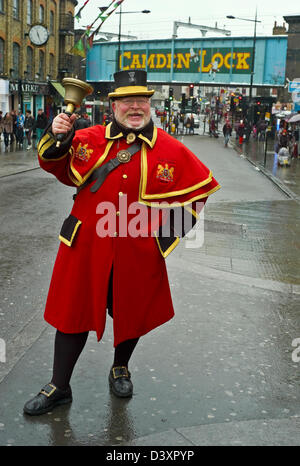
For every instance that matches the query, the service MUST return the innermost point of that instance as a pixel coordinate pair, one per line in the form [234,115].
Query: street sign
[294,85]
[297,107]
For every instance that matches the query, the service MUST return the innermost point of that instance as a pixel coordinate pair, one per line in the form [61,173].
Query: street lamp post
[120,28]
[255,21]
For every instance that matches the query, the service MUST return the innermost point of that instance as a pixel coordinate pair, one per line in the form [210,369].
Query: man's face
[132,111]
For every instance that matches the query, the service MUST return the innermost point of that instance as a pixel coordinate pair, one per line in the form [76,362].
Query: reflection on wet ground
[14,159]
[262,240]
[289,175]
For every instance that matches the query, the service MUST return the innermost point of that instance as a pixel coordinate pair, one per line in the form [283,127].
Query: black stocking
[124,351]
[67,349]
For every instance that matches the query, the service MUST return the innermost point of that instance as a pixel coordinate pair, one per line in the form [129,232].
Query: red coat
[164,170]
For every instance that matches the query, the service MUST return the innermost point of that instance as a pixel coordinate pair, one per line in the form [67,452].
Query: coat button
[125,176]
[118,213]
[120,193]
[115,234]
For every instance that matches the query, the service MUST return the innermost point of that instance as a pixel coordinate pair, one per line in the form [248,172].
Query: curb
[269,175]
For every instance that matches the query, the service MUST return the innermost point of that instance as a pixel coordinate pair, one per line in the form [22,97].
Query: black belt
[100,174]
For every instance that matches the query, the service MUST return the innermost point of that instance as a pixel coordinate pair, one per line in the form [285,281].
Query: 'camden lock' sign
[190,61]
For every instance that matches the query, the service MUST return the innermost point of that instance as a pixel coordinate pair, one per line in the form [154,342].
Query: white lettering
[295,353]
[106,225]
[118,456]
[2,350]
[162,455]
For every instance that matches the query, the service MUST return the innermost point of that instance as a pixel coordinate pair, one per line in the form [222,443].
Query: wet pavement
[266,159]
[222,372]
[16,159]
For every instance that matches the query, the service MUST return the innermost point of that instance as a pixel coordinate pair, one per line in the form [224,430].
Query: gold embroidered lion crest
[83,153]
[165,173]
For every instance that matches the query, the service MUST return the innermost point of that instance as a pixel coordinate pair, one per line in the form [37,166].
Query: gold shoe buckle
[51,391]
[121,375]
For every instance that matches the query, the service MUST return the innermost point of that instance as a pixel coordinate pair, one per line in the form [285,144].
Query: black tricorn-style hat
[131,82]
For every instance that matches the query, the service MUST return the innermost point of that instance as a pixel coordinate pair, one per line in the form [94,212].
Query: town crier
[132,180]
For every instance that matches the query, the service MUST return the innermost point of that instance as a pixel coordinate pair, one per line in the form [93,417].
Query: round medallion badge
[130,138]
[123,156]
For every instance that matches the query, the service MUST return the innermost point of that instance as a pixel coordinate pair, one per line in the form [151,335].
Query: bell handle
[61,136]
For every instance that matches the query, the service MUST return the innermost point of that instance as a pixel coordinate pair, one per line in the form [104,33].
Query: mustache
[135,113]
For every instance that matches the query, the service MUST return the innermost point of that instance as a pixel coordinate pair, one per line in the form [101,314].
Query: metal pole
[266,146]
[253,57]
[119,40]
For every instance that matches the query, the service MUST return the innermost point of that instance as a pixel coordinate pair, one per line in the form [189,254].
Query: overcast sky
[159,23]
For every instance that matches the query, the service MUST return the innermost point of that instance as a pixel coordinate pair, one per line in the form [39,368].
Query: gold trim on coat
[81,179]
[170,248]
[44,144]
[141,136]
[143,186]
[69,242]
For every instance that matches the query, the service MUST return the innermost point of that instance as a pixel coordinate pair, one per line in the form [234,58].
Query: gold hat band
[131,90]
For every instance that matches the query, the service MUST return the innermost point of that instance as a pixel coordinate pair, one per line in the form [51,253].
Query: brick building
[293,53]
[28,67]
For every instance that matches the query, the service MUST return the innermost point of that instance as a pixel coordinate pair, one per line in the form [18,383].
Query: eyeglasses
[138,100]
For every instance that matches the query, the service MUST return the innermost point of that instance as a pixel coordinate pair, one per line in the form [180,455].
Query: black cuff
[47,145]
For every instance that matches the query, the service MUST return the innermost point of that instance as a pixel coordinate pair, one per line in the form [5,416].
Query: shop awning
[295,118]
[59,88]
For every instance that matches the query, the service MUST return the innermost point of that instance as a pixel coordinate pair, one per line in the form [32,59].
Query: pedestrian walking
[40,124]
[241,132]
[1,124]
[192,126]
[112,261]
[28,127]
[176,123]
[14,117]
[187,125]
[212,127]
[88,120]
[7,125]
[20,128]
[283,139]
[80,122]
[227,131]
[1,118]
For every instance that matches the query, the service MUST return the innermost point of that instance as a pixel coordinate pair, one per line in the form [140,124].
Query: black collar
[148,134]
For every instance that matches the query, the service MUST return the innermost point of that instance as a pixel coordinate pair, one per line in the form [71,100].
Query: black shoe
[48,398]
[120,383]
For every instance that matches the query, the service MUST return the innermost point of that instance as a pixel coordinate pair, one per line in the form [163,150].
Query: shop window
[16,9]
